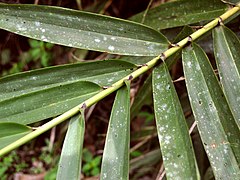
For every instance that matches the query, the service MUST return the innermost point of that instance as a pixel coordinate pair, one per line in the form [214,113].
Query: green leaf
[144,95]
[182,12]
[10,132]
[175,143]
[87,167]
[103,73]
[82,30]
[186,31]
[95,171]
[216,125]
[96,161]
[46,103]
[227,54]
[87,155]
[71,157]
[18,91]
[115,163]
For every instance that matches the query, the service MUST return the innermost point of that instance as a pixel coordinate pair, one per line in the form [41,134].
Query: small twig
[161,173]
[79,4]
[101,56]
[106,6]
[179,79]
[192,127]
[89,112]
[142,142]
[183,78]
[146,11]
[52,138]
[36,2]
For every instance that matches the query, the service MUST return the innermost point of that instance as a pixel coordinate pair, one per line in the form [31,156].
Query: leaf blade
[17,91]
[175,143]
[71,157]
[10,132]
[39,105]
[227,54]
[180,13]
[103,73]
[217,128]
[82,30]
[115,163]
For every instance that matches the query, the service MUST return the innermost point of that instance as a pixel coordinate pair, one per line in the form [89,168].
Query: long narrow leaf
[36,95]
[10,132]
[103,73]
[115,164]
[71,157]
[177,151]
[180,13]
[39,105]
[82,30]
[227,53]
[216,125]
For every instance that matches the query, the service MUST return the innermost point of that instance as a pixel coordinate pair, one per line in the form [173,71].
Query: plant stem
[119,83]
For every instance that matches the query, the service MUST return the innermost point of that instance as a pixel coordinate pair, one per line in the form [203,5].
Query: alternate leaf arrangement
[64,92]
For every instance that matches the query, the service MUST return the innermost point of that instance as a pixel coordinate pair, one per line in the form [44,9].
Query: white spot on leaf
[111,48]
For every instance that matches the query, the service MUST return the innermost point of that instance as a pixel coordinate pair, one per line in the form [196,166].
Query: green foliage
[212,114]
[72,28]
[91,165]
[226,51]
[148,116]
[10,132]
[39,50]
[115,163]
[172,128]
[67,90]
[71,156]
[182,12]
[51,174]
[5,56]
[136,154]
[11,161]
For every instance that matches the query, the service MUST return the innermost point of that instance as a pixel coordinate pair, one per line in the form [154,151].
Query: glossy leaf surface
[182,12]
[25,98]
[115,164]
[10,132]
[216,125]
[175,143]
[82,30]
[71,157]
[227,54]
[103,73]
[42,104]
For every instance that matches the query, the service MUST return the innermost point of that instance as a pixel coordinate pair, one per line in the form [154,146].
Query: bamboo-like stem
[119,83]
